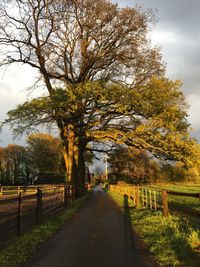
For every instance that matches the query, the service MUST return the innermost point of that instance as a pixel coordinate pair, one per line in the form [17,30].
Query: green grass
[21,248]
[179,188]
[173,240]
[182,202]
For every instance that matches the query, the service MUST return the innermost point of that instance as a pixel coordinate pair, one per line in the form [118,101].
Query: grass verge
[21,248]
[173,240]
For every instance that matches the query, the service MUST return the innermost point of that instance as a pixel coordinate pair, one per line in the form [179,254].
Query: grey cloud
[177,13]
[180,18]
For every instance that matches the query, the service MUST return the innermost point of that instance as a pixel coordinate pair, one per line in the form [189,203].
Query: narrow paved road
[100,235]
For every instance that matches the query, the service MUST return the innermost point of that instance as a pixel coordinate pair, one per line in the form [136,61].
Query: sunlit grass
[192,204]
[191,188]
[183,202]
[173,240]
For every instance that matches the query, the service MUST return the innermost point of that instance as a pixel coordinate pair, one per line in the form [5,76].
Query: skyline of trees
[40,161]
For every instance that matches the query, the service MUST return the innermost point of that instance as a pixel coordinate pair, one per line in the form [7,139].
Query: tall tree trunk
[70,154]
[81,167]
[73,152]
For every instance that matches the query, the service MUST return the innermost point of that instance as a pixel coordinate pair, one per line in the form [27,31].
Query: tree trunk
[81,167]
[70,154]
[73,152]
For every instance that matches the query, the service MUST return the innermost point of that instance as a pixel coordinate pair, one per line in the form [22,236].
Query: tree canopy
[104,80]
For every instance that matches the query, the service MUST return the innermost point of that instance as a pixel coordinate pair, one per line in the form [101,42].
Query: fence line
[142,197]
[149,198]
[15,211]
[26,190]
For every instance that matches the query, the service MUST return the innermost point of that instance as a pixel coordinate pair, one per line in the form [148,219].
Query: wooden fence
[16,190]
[19,211]
[7,191]
[147,197]
[140,197]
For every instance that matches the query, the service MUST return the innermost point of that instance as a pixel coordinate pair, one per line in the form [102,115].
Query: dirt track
[99,236]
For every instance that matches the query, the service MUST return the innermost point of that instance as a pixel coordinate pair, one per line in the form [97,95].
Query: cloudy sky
[177,33]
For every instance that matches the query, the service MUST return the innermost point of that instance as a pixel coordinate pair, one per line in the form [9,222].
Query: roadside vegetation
[174,240]
[19,249]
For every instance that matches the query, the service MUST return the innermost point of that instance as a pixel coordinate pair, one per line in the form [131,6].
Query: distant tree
[193,175]
[46,156]
[41,159]
[133,165]
[12,163]
[178,173]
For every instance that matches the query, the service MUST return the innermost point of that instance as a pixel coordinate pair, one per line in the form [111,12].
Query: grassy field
[189,204]
[191,188]
[174,240]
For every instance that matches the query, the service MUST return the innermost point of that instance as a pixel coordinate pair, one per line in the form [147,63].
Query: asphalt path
[100,235]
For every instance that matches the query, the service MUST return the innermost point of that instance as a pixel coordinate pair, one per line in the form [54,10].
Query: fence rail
[21,210]
[149,198]
[7,191]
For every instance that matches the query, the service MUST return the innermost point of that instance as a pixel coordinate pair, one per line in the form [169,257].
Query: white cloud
[194,112]
[164,38]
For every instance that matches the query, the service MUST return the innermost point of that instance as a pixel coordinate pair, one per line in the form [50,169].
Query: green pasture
[182,202]
[173,240]
[190,188]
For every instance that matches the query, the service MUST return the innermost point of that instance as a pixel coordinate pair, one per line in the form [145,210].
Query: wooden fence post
[142,197]
[1,191]
[66,196]
[146,195]
[19,214]
[165,203]
[18,190]
[137,197]
[39,205]
[150,200]
[155,203]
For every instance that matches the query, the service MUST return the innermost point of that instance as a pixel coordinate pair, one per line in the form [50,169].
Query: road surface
[100,235]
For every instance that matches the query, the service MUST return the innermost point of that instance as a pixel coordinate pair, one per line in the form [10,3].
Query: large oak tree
[104,80]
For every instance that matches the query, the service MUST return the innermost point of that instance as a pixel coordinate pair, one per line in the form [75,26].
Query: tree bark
[81,167]
[73,152]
